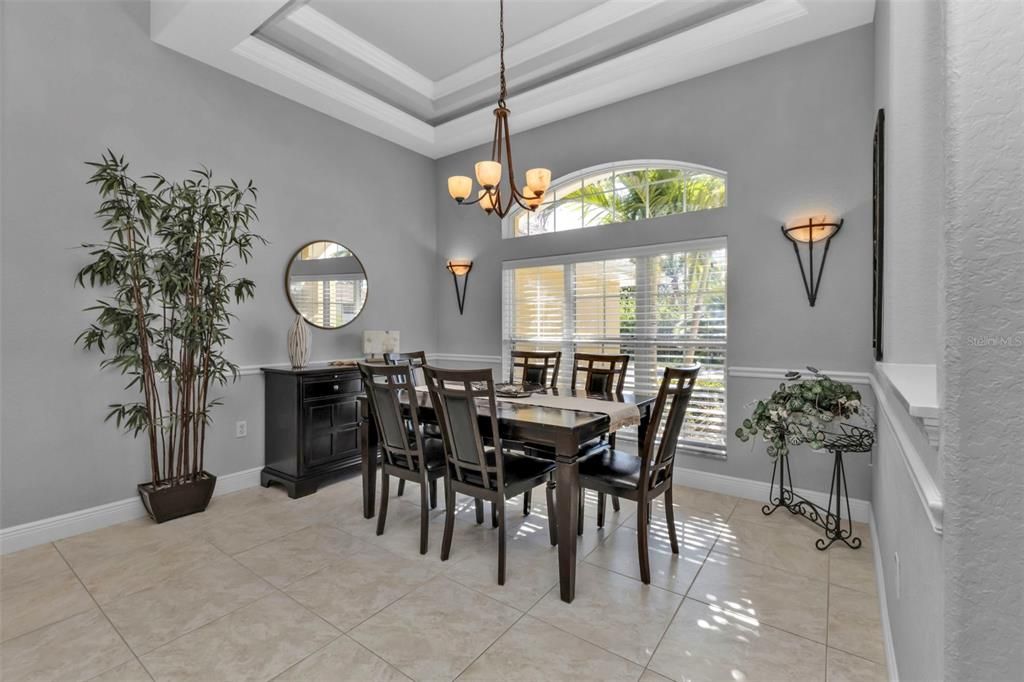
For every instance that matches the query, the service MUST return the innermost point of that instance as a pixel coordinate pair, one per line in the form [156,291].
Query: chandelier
[489,173]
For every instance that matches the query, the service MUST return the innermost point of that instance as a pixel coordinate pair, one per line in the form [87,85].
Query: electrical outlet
[896,559]
[241,429]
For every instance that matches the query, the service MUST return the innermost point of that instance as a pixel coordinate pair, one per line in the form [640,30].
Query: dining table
[555,432]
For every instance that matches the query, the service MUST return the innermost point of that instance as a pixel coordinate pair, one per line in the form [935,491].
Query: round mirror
[326,284]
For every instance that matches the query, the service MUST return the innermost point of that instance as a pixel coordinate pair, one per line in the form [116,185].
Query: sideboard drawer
[326,387]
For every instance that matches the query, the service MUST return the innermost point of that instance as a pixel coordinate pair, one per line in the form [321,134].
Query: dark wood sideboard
[312,426]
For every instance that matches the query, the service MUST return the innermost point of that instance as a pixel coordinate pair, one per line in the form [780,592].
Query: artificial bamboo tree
[169,251]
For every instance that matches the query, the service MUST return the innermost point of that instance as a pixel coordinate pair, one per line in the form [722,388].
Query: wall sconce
[460,267]
[815,231]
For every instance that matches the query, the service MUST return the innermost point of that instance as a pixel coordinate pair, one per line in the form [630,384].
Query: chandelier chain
[501,52]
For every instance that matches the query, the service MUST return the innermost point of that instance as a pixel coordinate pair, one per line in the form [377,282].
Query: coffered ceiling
[424,73]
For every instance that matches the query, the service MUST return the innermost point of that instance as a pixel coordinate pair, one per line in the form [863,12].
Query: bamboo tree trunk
[148,381]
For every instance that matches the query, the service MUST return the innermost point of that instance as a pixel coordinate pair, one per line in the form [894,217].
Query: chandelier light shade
[492,196]
[811,233]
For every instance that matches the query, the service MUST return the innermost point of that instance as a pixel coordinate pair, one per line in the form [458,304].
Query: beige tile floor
[263,587]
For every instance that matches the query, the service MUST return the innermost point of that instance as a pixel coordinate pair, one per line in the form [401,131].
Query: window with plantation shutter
[663,305]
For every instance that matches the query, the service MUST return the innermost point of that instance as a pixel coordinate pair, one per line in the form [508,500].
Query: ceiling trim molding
[587,23]
[343,101]
[220,34]
[645,69]
[324,27]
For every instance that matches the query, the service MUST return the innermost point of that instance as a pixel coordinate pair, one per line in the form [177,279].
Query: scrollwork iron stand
[832,520]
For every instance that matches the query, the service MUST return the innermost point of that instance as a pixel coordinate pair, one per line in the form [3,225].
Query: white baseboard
[56,527]
[890,649]
[749,489]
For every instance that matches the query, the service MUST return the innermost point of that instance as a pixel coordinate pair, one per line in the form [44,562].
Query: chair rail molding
[779,374]
[927,489]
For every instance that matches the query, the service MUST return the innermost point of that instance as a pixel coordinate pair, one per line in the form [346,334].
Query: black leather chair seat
[614,468]
[518,468]
[433,454]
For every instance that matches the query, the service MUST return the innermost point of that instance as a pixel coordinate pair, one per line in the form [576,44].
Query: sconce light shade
[460,267]
[814,231]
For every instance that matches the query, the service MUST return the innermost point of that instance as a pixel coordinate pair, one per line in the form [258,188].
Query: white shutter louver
[664,306]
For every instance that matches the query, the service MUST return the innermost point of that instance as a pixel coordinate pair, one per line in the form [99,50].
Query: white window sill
[916,386]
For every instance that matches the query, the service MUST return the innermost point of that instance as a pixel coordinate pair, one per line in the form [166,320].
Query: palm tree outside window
[621,192]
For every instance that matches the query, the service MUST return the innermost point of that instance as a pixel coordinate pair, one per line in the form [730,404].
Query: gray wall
[80,77]
[793,130]
[910,85]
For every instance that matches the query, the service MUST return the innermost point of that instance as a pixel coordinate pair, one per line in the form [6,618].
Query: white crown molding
[290,76]
[56,527]
[580,26]
[220,34]
[324,27]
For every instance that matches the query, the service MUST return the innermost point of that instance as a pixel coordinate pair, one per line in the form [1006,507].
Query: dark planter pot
[166,502]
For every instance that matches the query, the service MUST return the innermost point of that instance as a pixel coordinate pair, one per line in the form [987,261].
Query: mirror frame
[288,290]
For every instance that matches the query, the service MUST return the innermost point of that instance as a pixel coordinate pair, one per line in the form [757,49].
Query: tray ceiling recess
[423,73]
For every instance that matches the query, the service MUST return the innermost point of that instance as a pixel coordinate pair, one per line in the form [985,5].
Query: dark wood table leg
[645,421]
[368,455]
[568,486]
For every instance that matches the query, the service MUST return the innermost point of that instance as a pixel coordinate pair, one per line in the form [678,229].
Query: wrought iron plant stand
[832,520]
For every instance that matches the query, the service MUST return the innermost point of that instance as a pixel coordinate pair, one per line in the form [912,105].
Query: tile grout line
[105,616]
[647,666]
[61,620]
[572,634]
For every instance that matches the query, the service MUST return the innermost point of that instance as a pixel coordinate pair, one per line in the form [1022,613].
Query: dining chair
[407,454]
[600,374]
[539,368]
[642,478]
[535,367]
[475,467]
[415,359]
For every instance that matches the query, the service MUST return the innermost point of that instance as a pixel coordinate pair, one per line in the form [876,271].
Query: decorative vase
[298,343]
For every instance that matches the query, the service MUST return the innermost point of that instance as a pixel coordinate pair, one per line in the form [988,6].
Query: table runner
[620,415]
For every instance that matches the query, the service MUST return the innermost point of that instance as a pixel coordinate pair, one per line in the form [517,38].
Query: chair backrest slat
[415,359]
[454,394]
[399,434]
[601,374]
[673,398]
[535,367]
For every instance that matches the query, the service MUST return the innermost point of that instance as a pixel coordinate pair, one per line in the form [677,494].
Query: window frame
[508,222]
[689,447]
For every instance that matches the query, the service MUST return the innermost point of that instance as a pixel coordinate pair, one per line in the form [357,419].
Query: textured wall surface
[793,130]
[82,76]
[983,354]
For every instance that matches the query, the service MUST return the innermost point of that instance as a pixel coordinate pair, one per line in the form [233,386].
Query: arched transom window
[621,192]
